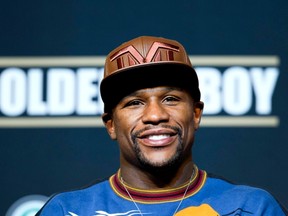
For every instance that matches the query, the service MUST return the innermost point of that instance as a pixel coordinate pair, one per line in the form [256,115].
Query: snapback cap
[145,62]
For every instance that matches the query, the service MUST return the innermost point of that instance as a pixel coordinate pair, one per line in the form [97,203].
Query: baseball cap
[145,62]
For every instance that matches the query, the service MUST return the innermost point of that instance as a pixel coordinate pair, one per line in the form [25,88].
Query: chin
[160,166]
[168,162]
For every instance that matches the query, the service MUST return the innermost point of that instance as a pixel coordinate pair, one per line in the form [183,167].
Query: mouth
[158,137]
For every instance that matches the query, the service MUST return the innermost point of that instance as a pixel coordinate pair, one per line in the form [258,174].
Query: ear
[198,110]
[109,124]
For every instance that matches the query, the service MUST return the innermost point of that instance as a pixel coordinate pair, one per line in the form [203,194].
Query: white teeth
[158,137]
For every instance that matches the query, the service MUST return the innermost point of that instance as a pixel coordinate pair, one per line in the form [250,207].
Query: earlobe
[198,110]
[108,122]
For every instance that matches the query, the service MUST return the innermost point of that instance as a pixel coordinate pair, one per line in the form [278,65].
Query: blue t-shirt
[205,196]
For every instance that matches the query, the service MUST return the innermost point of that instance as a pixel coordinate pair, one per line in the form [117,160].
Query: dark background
[48,160]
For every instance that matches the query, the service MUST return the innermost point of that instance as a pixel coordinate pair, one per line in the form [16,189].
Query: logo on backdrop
[236,90]
[27,206]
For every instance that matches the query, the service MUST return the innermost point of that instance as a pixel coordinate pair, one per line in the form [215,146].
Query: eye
[134,102]
[171,99]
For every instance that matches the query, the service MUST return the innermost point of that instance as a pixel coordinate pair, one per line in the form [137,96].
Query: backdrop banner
[51,66]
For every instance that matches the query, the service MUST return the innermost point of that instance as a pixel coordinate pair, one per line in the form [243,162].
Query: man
[152,108]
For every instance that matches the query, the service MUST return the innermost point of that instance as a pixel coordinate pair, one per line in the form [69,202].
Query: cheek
[123,125]
[184,116]
[186,120]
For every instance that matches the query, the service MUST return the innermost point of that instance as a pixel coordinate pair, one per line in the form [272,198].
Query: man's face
[155,126]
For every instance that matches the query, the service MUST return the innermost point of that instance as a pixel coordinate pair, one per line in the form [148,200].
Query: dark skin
[155,129]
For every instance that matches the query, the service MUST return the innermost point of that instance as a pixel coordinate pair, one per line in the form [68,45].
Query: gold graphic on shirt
[202,210]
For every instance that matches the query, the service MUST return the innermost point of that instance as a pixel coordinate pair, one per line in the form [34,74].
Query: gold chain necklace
[185,192]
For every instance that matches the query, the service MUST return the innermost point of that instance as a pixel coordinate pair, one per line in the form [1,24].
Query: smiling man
[152,108]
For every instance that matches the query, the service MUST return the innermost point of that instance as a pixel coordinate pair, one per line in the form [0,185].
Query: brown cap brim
[123,82]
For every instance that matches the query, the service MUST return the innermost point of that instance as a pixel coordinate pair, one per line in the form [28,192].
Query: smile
[158,137]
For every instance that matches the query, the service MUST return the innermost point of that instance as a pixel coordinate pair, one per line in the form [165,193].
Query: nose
[155,113]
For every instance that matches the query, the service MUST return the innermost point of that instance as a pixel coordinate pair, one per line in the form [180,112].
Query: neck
[158,178]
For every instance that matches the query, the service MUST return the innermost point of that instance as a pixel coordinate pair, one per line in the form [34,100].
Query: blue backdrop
[38,158]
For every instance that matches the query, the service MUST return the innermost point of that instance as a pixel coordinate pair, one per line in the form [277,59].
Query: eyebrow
[169,88]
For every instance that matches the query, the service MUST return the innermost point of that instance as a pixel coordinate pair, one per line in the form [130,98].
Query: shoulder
[226,186]
[83,191]
[250,195]
[73,197]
